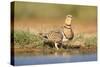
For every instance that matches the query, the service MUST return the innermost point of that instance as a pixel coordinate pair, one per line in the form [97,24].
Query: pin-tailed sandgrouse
[59,36]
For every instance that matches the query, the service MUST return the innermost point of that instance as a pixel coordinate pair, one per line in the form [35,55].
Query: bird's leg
[56,45]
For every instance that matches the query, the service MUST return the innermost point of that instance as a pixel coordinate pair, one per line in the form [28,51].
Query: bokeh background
[44,17]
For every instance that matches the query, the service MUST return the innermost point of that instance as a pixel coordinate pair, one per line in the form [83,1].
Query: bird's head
[68,19]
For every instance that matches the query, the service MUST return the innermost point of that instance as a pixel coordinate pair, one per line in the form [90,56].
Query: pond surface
[33,60]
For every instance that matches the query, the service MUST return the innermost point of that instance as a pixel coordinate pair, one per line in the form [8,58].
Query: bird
[67,32]
[58,37]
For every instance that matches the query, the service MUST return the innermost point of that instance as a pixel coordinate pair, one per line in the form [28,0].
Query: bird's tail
[43,35]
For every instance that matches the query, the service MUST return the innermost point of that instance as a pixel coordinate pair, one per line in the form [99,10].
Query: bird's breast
[68,33]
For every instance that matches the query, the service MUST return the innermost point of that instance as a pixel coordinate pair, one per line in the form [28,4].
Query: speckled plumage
[65,34]
[55,36]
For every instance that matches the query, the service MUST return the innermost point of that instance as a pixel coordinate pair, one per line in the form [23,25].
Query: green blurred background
[53,11]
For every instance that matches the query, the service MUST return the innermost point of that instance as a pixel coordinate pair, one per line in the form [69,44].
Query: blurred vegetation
[23,38]
[85,40]
[46,10]
[27,39]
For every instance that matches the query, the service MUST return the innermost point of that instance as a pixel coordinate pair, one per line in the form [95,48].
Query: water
[33,60]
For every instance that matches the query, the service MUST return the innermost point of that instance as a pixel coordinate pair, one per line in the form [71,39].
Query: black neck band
[67,27]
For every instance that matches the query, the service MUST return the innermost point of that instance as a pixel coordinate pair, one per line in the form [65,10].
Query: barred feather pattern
[68,33]
[55,36]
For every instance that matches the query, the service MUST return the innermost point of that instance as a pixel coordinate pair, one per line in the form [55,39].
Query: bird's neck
[67,26]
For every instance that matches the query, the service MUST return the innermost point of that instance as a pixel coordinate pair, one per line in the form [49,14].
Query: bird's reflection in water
[61,53]
[54,52]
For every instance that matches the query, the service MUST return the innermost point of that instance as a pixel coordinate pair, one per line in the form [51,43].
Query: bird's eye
[69,16]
